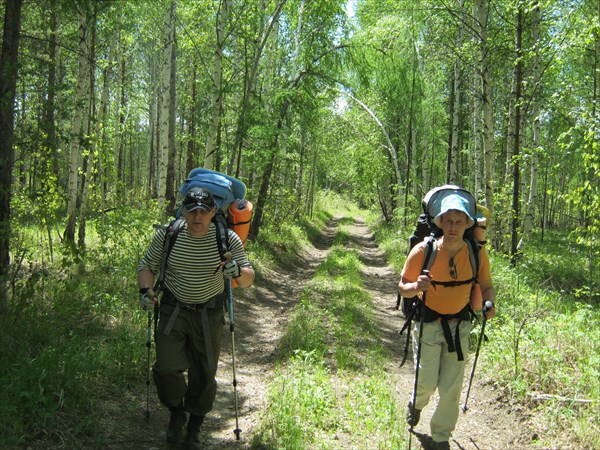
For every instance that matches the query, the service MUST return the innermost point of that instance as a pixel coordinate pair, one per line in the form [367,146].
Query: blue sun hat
[453,202]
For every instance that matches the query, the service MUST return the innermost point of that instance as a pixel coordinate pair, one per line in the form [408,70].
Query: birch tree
[486,106]
[165,104]
[452,167]
[528,217]
[517,138]
[216,93]
[76,136]
[88,156]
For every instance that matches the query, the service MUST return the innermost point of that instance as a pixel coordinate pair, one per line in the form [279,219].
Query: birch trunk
[192,158]
[216,94]
[452,167]
[163,112]
[517,138]
[477,154]
[81,94]
[170,191]
[89,154]
[486,106]
[535,110]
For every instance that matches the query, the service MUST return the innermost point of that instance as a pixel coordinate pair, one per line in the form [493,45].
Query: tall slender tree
[82,101]
[518,73]
[8,84]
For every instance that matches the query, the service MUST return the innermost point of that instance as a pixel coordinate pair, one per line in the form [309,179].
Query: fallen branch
[543,397]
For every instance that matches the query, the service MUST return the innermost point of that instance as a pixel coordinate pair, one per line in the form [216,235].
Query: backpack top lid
[436,202]
[225,189]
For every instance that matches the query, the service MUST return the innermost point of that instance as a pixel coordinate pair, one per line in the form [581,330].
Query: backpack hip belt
[453,342]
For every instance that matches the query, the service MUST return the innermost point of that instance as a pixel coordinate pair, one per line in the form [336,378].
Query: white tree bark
[486,106]
[81,94]
[535,109]
[216,95]
[452,175]
[163,113]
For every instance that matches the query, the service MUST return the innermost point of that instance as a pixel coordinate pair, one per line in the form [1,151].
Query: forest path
[261,315]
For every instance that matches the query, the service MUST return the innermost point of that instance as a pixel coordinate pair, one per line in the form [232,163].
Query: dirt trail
[261,315]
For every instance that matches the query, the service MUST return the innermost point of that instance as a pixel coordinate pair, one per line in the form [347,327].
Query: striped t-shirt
[193,273]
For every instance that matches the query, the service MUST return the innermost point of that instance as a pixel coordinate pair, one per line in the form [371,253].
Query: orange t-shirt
[449,299]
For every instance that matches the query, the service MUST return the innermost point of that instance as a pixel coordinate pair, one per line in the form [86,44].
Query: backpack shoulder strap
[473,256]
[222,234]
[431,249]
[172,231]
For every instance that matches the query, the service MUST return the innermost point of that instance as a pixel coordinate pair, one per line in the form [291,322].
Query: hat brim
[194,206]
[437,220]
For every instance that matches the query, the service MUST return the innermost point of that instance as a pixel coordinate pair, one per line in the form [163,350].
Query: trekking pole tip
[237,432]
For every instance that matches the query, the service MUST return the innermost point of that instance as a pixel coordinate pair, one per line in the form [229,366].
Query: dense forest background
[106,105]
[116,101]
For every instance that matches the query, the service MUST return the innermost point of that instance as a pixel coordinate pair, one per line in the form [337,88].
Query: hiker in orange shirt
[446,320]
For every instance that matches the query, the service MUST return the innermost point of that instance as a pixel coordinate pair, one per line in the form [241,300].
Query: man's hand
[231,269]
[148,299]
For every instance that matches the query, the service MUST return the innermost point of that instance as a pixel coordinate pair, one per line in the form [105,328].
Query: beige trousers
[440,370]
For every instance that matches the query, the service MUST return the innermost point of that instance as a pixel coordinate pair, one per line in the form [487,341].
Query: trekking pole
[237,430]
[148,346]
[414,396]
[486,307]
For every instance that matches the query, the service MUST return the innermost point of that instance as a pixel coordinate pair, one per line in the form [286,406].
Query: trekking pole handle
[488,305]
[426,273]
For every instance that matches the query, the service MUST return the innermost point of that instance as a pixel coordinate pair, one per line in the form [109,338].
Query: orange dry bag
[238,219]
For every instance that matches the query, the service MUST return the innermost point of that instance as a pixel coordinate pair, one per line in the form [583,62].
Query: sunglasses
[453,273]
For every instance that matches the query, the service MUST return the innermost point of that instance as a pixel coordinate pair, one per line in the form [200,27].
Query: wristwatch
[143,290]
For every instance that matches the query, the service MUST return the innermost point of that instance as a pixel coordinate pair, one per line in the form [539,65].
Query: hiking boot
[410,419]
[441,445]
[192,437]
[176,423]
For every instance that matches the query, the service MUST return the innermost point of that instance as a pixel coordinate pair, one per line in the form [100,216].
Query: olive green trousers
[184,349]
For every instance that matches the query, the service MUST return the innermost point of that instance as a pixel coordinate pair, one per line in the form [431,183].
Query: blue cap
[454,202]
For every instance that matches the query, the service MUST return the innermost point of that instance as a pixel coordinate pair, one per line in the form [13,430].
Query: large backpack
[427,231]
[233,211]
